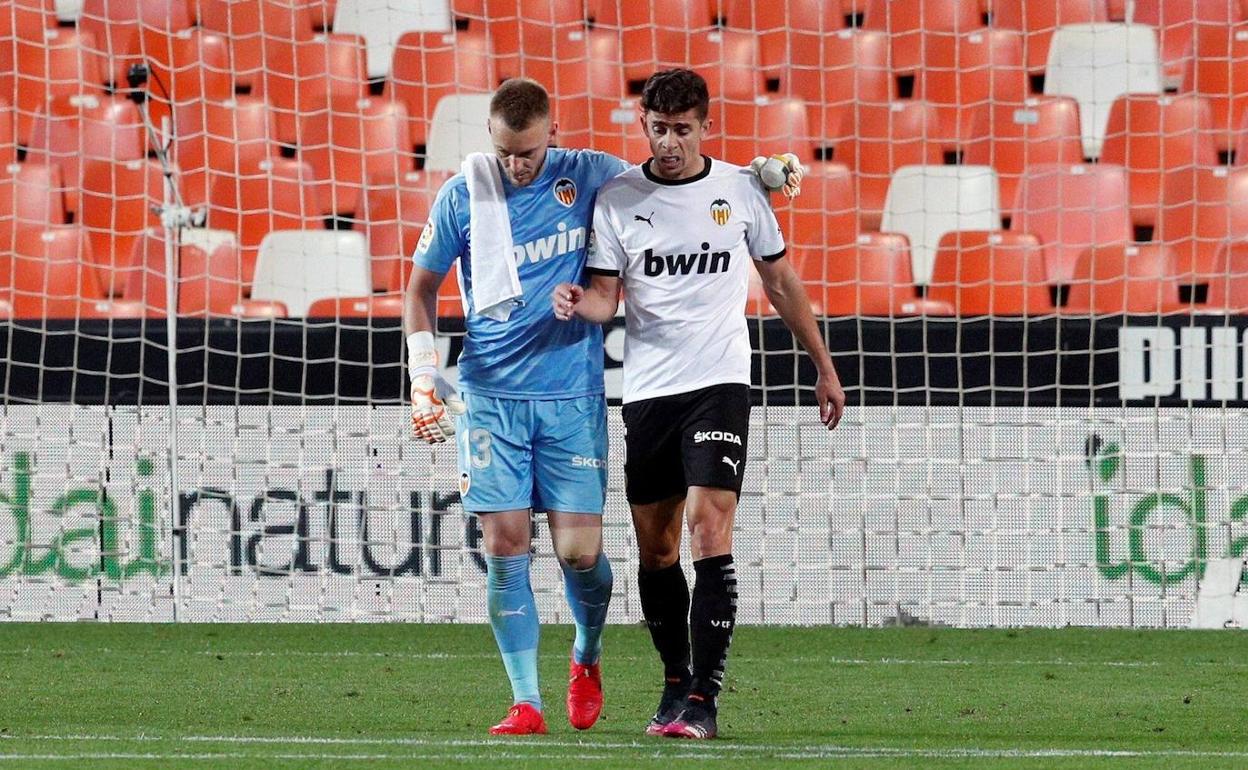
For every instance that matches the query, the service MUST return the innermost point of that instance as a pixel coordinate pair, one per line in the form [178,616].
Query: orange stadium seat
[882,140]
[324,67]
[826,213]
[395,211]
[208,283]
[1072,208]
[1013,137]
[272,194]
[117,201]
[219,139]
[908,24]
[783,26]
[430,65]
[766,128]
[52,272]
[370,306]
[588,91]
[1118,278]
[19,22]
[115,23]
[8,141]
[188,67]
[964,74]
[1219,72]
[31,195]
[870,277]
[990,272]
[1151,135]
[847,72]
[672,14]
[65,62]
[86,127]
[349,139]
[1038,19]
[262,34]
[1176,22]
[527,35]
[1228,286]
[1202,209]
[321,13]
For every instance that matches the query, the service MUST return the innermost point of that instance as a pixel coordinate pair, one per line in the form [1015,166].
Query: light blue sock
[513,616]
[589,593]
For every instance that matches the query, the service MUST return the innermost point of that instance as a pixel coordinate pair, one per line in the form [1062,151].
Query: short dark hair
[675,91]
[519,102]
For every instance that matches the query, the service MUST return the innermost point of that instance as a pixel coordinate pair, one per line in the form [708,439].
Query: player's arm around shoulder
[786,293]
[596,304]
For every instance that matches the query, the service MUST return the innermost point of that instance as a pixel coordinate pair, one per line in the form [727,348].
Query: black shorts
[690,439]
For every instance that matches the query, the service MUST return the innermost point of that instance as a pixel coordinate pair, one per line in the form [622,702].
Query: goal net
[1021,230]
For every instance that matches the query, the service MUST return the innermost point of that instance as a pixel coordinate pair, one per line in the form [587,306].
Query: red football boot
[584,694]
[522,719]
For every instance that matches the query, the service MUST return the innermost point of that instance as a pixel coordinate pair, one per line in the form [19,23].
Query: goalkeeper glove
[792,185]
[435,404]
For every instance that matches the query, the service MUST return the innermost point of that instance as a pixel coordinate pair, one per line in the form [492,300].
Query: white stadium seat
[1097,63]
[382,22]
[925,202]
[298,267]
[458,128]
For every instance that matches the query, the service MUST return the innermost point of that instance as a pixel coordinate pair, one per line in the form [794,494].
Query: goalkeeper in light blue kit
[530,422]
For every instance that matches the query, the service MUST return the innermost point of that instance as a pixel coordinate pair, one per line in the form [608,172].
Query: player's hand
[435,404]
[793,184]
[565,298]
[831,398]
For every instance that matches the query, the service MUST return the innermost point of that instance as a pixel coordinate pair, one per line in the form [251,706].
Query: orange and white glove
[770,168]
[435,404]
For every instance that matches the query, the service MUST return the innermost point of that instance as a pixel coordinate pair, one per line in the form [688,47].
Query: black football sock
[665,605]
[713,618]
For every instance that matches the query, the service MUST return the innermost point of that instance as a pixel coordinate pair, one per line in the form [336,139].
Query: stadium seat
[1039,20]
[188,67]
[63,63]
[262,35]
[990,272]
[366,306]
[1176,22]
[1151,136]
[349,139]
[299,267]
[1121,278]
[19,22]
[52,271]
[847,72]
[324,67]
[1013,137]
[272,194]
[86,127]
[670,14]
[117,206]
[1228,286]
[1097,63]
[8,141]
[458,128]
[588,93]
[114,24]
[395,211]
[1219,72]
[382,24]
[1071,208]
[868,278]
[825,214]
[784,26]
[882,140]
[209,282]
[925,202]
[766,127]
[219,139]
[31,195]
[430,65]
[963,74]
[909,24]
[1201,210]
[531,37]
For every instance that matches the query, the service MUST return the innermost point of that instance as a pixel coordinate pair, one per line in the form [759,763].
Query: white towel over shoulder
[495,283]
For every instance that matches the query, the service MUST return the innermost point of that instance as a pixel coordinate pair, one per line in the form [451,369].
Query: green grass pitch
[406,696]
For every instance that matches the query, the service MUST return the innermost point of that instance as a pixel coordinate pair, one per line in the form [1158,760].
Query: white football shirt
[682,249]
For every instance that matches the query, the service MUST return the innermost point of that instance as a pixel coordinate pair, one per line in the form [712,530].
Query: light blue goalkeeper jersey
[531,355]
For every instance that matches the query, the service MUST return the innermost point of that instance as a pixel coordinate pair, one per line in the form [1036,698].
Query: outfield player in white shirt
[677,233]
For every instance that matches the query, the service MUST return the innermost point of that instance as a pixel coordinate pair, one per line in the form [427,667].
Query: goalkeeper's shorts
[545,455]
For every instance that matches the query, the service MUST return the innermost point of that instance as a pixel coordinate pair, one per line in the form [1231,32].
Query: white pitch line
[519,750]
